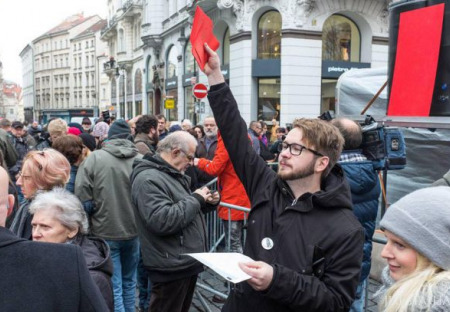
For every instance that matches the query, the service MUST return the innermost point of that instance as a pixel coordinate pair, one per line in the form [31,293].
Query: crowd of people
[116,205]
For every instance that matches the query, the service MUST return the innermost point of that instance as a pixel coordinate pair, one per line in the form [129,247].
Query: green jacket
[103,182]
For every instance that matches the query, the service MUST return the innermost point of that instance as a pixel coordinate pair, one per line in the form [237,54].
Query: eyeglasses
[189,157]
[296,149]
[25,177]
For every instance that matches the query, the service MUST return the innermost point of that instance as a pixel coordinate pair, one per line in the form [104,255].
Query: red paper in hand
[202,31]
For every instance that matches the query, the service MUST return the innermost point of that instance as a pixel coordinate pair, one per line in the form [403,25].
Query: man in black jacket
[42,277]
[302,234]
[170,221]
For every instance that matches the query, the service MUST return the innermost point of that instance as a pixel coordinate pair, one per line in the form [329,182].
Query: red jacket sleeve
[215,166]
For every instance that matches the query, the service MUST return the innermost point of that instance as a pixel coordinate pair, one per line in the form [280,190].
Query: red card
[202,31]
[419,41]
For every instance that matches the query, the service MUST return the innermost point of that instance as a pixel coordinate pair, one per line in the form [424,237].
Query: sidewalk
[218,284]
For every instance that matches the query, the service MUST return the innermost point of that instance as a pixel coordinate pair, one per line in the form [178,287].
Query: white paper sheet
[225,264]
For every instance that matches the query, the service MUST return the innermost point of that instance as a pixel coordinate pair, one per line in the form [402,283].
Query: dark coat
[45,277]
[98,259]
[365,189]
[317,241]
[169,219]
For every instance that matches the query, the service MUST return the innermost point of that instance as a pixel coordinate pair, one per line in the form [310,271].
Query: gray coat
[103,186]
[169,218]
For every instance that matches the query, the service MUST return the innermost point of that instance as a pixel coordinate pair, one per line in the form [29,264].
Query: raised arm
[249,166]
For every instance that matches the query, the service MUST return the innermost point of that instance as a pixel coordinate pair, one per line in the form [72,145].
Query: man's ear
[322,163]
[10,204]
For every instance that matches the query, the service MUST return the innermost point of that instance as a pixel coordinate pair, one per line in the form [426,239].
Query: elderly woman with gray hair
[59,217]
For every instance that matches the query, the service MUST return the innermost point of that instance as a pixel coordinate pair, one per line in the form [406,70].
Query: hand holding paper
[224,263]
[201,33]
[261,273]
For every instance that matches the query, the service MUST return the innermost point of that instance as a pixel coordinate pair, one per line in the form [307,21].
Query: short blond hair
[47,169]
[323,137]
[57,127]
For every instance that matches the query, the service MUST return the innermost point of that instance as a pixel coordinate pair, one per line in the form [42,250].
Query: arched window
[269,35]
[189,61]
[341,40]
[226,47]
[172,62]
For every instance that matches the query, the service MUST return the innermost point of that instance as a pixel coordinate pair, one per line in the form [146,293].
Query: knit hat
[88,141]
[119,130]
[175,128]
[422,219]
[101,130]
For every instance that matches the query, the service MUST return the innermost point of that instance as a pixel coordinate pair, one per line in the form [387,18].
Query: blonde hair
[57,127]
[418,290]
[323,137]
[47,169]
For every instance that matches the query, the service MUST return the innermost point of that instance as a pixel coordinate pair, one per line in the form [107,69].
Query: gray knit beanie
[422,219]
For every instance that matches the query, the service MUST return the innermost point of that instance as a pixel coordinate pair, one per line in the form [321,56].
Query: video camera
[384,146]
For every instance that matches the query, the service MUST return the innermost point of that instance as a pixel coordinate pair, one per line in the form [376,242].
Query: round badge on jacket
[267,243]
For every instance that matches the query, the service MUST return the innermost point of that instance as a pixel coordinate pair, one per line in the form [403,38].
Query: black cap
[17,124]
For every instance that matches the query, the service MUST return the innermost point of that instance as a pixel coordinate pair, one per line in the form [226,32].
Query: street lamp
[121,72]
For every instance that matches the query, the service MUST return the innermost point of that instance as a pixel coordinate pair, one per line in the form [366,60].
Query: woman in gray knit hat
[417,277]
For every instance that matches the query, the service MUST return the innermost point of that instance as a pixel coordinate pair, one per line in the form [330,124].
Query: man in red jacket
[231,190]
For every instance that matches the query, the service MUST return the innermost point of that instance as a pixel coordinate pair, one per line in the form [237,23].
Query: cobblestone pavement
[218,284]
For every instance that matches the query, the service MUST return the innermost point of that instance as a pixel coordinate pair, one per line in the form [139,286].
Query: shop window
[341,40]
[269,36]
[269,99]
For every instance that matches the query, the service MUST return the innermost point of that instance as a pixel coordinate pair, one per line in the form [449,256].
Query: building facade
[28,83]
[125,67]
[12,107]
[281,58]
[88,56]
[53,74]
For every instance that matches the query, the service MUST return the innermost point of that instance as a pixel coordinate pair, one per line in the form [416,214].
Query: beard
[211,134]
[299,174]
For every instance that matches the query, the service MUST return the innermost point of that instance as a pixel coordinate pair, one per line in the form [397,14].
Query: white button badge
[267,243]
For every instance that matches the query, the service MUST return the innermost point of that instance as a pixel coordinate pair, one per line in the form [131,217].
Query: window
[121,41]
[269,99]
[172,62]
[340,40]
[226,48]
[138,82]
[269,35]
[189,61]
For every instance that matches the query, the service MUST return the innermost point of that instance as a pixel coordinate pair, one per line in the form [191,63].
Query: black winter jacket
[98,259]
[169,219]
[317,241]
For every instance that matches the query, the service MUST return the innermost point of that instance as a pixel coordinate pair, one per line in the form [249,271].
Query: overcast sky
[21,21]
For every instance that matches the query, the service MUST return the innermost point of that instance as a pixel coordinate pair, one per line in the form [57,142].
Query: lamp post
[121,72]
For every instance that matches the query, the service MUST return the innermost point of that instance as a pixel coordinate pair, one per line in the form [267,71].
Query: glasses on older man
[296,149]
[189,157]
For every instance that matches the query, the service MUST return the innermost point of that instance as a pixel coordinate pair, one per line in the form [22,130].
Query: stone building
[27,83]
[125,67]
[281,58]
[12,107]
[53,70]
[88,55]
